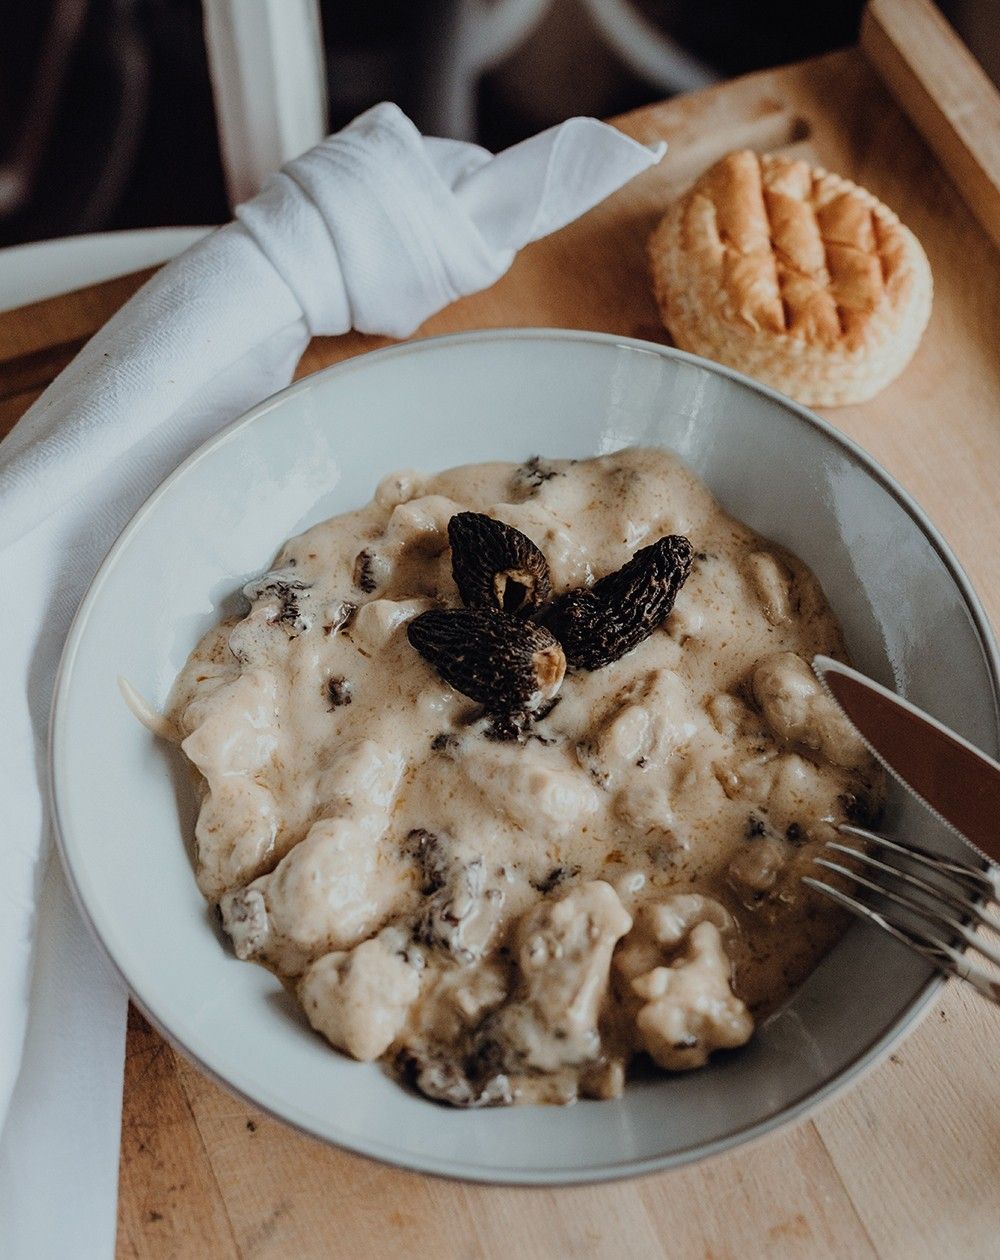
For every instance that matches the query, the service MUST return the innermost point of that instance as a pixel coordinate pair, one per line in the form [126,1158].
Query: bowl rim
[806,1105]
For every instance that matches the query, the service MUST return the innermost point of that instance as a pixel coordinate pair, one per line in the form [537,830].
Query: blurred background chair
[267,65]
[128,113]
[268,75]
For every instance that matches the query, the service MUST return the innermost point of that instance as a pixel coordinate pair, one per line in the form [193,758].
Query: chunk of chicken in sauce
[675,978]
[563,951]
[360,999]
[799,711]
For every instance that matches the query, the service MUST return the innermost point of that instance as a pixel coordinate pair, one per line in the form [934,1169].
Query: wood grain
[905,1165]
[37,341]
[165,1169]
[946,93]
[917,1144]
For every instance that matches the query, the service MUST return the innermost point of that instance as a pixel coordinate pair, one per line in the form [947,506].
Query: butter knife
[956,781]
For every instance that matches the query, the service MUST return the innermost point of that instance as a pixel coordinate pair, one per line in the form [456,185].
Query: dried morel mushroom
[364,572]
[432,857]
[534,472]
[500,660]
[599,625]
[446,1080]
[339,691]
[290,593]
[496,566]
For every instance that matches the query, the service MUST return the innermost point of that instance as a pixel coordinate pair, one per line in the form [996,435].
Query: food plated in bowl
[315,451]
[495,807]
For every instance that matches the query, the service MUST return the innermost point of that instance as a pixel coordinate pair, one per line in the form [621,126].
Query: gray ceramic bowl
[124,809]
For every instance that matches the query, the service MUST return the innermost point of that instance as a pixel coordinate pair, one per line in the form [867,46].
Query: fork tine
[864,911]
[943,956]
[963,906]
[928,913]
[987,881]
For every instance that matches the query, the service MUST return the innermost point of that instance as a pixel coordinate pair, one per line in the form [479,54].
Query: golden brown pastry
[793,275]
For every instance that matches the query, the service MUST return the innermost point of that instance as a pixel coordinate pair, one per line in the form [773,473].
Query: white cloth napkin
[376,228]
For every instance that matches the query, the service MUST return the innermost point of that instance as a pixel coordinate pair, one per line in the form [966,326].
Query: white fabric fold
[376,229]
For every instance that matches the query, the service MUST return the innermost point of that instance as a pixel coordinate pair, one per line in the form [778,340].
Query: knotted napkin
[374,229]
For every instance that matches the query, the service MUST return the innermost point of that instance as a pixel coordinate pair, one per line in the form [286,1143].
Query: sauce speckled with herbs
[514,918]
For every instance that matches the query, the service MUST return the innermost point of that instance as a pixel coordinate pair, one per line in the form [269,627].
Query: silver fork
[930,890]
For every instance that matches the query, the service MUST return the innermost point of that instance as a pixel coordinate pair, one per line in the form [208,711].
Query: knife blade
[955,780]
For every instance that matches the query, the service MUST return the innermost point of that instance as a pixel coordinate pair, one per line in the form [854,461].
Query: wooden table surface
[907,1164]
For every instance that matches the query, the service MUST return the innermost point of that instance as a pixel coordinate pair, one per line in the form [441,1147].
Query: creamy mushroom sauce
[511,921]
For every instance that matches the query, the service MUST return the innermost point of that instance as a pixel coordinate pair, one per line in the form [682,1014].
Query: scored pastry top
[795,249]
